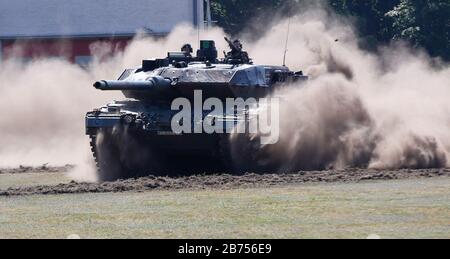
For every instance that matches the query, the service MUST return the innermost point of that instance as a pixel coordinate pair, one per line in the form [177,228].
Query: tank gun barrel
[120,85]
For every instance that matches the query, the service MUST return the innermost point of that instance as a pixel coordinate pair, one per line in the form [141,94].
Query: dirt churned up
[199,182]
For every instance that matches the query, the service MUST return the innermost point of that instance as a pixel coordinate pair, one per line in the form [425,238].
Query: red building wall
[69,49]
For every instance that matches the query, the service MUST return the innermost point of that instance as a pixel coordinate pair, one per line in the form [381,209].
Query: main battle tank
[136,136]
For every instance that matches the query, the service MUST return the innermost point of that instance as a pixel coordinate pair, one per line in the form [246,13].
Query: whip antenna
[287,41]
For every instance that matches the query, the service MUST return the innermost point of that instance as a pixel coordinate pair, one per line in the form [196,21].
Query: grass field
[390,209]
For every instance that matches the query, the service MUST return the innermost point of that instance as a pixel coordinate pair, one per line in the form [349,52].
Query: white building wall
[48,18]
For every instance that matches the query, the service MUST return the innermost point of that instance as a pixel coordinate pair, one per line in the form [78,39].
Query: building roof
[88,18]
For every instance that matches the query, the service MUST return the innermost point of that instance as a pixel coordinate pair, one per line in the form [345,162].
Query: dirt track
[225,181]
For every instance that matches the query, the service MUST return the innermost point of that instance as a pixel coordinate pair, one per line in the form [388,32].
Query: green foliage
[370,17]
[423,23]
[232,15]
[404,22]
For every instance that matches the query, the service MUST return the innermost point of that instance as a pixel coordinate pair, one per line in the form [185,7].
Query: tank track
[93,144]
[106,169]
[111,165]
[109,168]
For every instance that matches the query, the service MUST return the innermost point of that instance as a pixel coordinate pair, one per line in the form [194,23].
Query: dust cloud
[43,102]
[387,110]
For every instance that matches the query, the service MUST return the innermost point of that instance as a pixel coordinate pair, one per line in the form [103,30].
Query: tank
[136,136]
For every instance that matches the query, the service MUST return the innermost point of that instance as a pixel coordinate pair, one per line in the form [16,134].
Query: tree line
[422,23]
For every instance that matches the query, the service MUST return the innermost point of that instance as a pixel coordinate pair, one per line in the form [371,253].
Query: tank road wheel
[120,156]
